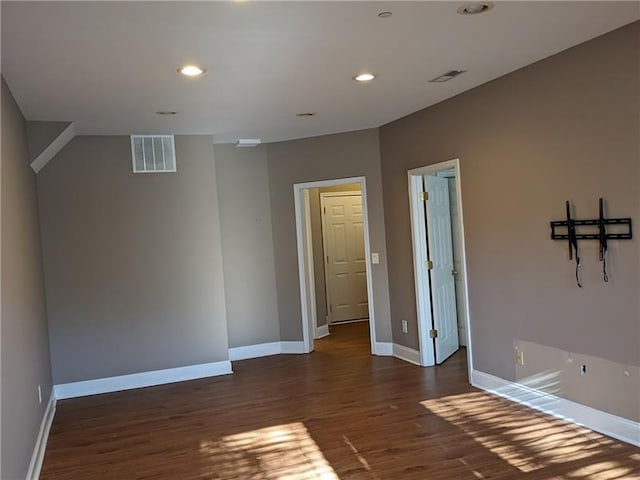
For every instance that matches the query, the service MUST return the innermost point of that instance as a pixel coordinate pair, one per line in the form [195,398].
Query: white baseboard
[33,473]
[346,322]
[389,349]
[384,349]
[407,354]
[292,347]
[265,349]
[322,331]
[603,422]
[143,379]
[254,351]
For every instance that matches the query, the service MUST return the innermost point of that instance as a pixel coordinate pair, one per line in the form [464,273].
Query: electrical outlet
[39,394]
[519,357]
[405,327]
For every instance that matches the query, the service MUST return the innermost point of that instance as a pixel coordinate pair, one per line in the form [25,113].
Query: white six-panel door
[345,261]
[442,278]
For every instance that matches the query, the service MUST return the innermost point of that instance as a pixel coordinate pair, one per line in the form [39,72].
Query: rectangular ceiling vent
[445,77]
[153,153]
[248,142]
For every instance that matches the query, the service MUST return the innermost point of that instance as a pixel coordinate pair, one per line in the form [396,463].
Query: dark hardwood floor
[337,413]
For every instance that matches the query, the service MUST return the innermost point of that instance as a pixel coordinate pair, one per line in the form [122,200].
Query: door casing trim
[418,237]
[305,260]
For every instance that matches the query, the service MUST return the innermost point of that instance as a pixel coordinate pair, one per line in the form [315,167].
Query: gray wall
[324,158]
[566,128]
[315,208]
[247,245]
[133,263]
[25,346]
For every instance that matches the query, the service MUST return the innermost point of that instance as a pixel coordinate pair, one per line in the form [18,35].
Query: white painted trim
[345,193]
[603,422]
[54,147]
[303,257]
[254,351]
[142,379]
[35,465]
[311,280]
[407,354]
[258,350]
[420,274]
[369,265]
[346,322]
[322,331]
[463,260]
[418,236]
[384,349]
[303,266]
[292,347]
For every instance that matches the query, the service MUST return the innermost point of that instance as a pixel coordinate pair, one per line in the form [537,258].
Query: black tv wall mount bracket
[600,226]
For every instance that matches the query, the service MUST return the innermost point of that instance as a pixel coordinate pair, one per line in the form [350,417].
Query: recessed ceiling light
[306,114]
[364,77]
[166,112]
[191,70]
[475,8]
[385,14]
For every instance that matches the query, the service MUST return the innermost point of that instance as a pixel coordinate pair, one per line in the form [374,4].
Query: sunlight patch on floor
[529,441]
[603,471]
[282,452]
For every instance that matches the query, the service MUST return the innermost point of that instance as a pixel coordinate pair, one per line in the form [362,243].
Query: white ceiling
[109,66]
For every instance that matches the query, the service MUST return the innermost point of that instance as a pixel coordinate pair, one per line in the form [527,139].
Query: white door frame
[421,274]
[305,257]
[324,195]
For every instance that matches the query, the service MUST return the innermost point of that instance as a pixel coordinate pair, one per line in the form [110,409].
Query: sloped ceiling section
[110,66]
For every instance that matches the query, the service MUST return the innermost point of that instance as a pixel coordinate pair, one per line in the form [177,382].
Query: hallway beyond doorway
[347,339]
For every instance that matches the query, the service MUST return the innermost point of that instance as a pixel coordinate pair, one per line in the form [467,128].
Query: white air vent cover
[153,153]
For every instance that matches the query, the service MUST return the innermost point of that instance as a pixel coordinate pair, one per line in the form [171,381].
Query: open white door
[442,272]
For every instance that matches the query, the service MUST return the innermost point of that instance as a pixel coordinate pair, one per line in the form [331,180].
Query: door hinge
[327,259]
[428,265]
[324,210]
[433,333]
[424,196]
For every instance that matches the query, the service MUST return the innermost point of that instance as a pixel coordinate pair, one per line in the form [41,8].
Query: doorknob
[454,272]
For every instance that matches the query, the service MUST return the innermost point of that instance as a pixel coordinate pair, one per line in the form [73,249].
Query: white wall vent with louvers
[153,153]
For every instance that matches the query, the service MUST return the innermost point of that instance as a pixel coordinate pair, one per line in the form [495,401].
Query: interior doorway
[439,261]
[334,257]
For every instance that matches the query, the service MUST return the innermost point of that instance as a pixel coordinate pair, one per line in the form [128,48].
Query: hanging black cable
[573,243]
[602,231]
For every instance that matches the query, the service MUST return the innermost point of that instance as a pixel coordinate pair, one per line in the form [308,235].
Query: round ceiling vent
[475,8]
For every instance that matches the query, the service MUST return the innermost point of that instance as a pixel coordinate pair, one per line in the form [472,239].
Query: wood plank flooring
[337,413]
